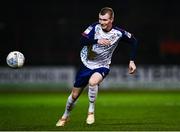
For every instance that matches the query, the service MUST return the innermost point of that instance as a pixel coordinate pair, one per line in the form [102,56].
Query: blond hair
[106,10]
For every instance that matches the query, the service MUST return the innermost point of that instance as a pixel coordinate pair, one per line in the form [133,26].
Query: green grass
[123,111]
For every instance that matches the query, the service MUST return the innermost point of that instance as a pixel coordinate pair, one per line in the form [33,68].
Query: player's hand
[132,67]
[104,41]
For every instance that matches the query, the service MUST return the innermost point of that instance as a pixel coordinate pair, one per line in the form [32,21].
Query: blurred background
[47,33]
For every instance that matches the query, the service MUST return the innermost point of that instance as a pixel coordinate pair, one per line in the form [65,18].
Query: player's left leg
[95,79]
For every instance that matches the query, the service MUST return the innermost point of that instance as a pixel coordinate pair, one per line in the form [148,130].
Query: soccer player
[98,42]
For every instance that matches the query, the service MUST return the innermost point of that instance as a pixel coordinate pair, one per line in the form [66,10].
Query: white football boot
[90,118]
[62,122]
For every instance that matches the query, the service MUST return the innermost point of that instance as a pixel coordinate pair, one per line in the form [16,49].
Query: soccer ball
[15,59]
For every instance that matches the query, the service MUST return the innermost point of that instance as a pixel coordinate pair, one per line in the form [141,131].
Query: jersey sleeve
[87,37]
[129,38]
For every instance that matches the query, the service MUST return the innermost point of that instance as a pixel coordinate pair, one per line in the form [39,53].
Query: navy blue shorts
[84,74]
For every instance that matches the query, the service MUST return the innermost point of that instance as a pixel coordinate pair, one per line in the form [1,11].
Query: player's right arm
[87,37]
[103,41]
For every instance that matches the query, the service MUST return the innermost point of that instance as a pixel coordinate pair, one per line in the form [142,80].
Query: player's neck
[108,29]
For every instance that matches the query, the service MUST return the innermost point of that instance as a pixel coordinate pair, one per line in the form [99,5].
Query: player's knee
[92,83]
[95,79]
[74,95]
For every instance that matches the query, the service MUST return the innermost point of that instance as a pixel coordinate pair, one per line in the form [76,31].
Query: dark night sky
[47,32]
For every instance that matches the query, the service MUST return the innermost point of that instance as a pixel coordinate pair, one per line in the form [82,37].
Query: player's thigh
[95,79]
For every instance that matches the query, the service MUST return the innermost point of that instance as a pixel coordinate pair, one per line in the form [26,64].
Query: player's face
[105,21]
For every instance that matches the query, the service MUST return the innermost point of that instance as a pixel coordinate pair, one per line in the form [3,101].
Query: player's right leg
[69,106]
[81,81]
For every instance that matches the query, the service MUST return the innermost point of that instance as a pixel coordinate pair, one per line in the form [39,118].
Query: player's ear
[112,19]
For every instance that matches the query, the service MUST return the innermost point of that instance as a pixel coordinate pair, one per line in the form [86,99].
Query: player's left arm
[132,67]
[129,38]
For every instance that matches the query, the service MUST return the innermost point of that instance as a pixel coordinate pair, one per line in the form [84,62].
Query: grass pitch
[115,111]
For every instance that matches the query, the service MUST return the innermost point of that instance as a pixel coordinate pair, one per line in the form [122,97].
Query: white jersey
[97,55]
